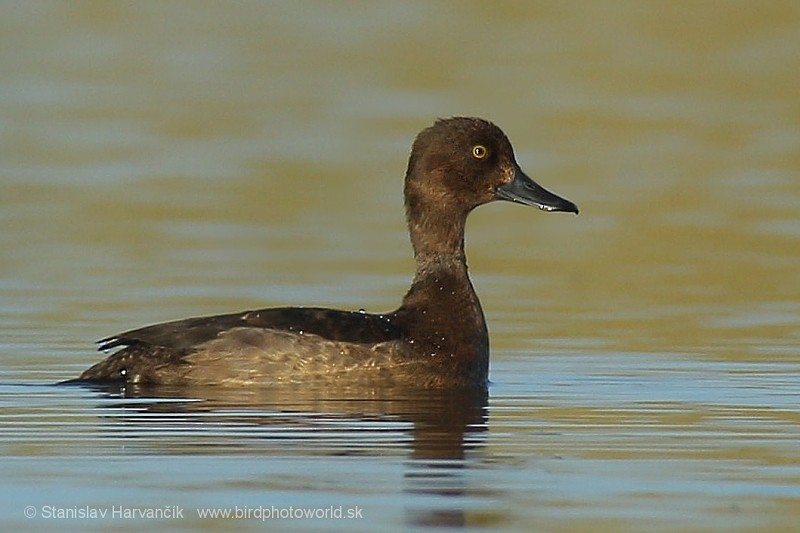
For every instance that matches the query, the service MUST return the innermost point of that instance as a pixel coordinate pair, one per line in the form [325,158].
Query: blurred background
[164,159]
[167,159]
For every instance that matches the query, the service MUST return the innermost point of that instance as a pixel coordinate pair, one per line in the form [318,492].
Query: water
[164,160]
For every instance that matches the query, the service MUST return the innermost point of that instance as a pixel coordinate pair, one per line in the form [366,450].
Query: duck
[437,337]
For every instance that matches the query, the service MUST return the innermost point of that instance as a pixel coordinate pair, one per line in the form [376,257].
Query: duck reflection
[440,431]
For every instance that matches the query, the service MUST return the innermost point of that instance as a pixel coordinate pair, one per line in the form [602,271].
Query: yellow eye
[479,151]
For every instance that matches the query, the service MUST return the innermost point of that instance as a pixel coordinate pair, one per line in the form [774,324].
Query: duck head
[460,163]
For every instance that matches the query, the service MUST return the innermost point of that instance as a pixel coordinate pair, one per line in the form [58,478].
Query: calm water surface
[162,160]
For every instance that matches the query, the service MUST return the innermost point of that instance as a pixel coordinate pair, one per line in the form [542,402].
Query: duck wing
[332,324]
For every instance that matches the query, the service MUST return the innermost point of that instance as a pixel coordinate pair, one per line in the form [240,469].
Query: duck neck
[441,312]
[437,234]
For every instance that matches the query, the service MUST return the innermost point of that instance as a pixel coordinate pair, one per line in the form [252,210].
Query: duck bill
[524,190]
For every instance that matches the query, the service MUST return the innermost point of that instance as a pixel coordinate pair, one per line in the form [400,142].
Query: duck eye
[479,151]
